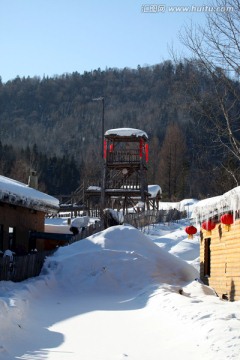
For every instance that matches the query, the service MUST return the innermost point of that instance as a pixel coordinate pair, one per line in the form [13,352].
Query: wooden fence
[88,231]
[19,268]
[140,220]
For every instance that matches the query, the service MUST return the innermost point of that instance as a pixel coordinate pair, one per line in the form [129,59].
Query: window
[207,257]
[11,238]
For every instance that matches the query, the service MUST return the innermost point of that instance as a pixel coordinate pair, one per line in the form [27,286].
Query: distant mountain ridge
[57,118]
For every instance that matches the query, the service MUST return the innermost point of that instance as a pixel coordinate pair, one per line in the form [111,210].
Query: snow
[80,221]
[230,201]
[62,225]
[184,205]
[126,132]
[154,190]
[8,253]
[119,294]
[13,191]
[58,225]
[116,215]
[94,188]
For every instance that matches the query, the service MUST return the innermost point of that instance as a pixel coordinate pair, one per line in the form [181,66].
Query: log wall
[224,275]
[22,220]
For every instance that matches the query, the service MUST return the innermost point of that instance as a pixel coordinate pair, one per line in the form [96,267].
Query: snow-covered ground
[120,294]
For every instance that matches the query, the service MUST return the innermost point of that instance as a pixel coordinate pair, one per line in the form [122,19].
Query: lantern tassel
[227,227]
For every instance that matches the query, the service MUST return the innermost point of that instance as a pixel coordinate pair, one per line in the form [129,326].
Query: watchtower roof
[126,133]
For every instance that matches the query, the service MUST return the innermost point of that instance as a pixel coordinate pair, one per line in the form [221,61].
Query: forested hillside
[53,126]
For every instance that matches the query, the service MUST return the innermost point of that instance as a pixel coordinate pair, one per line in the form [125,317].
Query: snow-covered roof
[154,190]
[94,188]
[230,201]
[17,193]
[126,132]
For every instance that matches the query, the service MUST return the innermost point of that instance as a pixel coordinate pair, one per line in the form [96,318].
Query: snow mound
[120,258]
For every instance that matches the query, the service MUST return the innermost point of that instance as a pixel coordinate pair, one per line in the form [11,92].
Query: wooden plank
[218,265]
[233,239]
[218,277]
[217,269]
[233,274]
[232,251]
[218,259]
[235,266]
[230,279]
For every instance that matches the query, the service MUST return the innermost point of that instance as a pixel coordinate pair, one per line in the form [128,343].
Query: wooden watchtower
[125,168]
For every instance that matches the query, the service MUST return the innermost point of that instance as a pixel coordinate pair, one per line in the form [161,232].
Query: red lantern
[227,220]
[111,147]
[146,150]
[190,230]
[208,226]
[105,149]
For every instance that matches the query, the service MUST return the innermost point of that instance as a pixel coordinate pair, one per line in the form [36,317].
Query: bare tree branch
[216,48]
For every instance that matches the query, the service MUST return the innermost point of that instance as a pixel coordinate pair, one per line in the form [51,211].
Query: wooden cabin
[22,210]
[220,243]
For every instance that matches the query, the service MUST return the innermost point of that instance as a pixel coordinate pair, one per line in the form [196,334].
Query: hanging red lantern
[208,225]
[146,152]
[227,220]
[111,148]
[190,230]
[105,149]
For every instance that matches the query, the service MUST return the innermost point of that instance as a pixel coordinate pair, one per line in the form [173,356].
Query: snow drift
[119,258]
[115,295]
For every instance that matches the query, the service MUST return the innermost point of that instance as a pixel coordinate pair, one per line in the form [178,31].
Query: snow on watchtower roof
[126,132]
[17,193]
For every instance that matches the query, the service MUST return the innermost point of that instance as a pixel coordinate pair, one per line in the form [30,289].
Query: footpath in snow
[119,294]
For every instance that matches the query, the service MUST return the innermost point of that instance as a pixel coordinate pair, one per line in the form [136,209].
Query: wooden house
[22,210]
[220,243]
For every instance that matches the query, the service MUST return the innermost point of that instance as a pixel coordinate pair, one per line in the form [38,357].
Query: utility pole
[102,201]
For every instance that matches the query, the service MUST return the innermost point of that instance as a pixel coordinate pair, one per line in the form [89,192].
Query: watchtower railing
[123,156]
[124,184]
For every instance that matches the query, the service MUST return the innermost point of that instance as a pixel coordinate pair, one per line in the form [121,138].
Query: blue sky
[52,37]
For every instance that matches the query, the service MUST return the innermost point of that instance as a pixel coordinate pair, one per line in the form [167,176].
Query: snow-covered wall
[17,193]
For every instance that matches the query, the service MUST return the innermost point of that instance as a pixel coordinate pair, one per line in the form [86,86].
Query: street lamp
[101,98]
